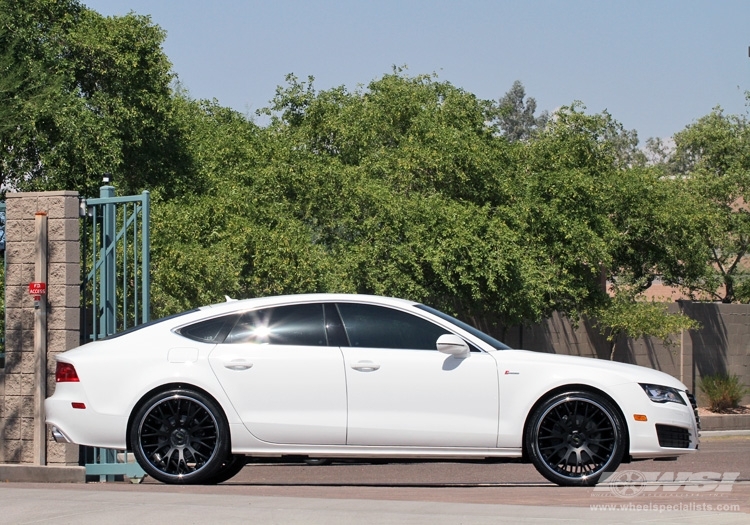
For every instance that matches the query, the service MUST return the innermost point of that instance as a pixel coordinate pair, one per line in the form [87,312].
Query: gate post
[109,291]
[18,380]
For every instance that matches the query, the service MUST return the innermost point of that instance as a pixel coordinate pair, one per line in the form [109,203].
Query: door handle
[238,364]
[366,366]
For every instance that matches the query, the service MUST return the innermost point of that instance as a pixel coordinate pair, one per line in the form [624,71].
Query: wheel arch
[163,388]
[577,387]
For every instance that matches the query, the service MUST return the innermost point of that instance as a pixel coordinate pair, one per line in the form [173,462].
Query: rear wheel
[180,436]
[574,437]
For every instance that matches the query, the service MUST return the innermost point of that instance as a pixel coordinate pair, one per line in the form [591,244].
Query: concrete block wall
[17,379]
[722,345]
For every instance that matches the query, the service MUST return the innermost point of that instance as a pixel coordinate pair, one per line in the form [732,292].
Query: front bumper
[671,429]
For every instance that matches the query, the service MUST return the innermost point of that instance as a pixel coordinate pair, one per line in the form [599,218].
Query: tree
[624,316]
[27,92]
[564,177]
[397,190]
[659,222]
[442,194]
[599,215]
[514,116]
[29,84]
[106,108]
[712,156]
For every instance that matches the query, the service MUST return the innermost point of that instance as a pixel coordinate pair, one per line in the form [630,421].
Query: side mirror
[453,345]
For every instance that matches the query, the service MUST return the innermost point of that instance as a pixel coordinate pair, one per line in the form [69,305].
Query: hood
[614,370]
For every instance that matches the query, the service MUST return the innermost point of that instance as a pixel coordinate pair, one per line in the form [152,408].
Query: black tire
[574,437]
[229,469]
[180,437]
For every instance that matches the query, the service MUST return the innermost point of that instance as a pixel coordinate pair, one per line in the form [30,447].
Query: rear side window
[211,330]
[148,324]
[371,326]
[299,325]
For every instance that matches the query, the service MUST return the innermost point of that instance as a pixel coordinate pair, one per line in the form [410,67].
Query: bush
[723,391]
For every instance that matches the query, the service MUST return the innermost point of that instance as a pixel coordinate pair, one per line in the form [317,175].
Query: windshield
[473,331]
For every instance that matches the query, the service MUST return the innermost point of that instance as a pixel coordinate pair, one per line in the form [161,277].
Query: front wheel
[180,436]
[574,437]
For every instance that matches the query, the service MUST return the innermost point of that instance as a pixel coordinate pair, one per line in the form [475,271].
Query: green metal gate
[115,291]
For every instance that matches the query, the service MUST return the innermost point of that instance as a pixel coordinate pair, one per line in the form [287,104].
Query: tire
[180,437]
[574,437]
[229,469]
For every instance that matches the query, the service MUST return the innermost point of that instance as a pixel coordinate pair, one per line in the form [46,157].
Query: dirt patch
[704,411]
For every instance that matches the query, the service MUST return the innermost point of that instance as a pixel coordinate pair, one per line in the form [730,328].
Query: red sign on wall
[37,288]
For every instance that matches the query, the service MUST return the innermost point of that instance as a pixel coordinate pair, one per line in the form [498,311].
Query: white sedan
[354,376]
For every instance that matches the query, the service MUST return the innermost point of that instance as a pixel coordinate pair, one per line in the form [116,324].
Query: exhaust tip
[59,436]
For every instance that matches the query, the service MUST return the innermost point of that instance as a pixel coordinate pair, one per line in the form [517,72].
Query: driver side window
[370,326]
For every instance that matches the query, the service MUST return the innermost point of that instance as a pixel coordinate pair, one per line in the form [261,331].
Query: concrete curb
[42,474]
[724,433]
[726,422]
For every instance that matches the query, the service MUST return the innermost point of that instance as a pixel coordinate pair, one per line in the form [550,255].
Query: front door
[403,392]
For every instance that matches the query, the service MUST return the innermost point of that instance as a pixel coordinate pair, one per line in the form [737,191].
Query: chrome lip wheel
[178,435]
[576,439]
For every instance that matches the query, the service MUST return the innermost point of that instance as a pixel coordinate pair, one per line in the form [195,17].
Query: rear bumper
[83,426]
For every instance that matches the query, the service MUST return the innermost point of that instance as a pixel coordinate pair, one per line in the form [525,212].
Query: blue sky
[655,65]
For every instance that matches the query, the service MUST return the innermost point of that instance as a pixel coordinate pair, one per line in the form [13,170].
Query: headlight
[662,394]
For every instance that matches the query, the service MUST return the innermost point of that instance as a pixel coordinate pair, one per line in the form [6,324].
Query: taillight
[65,373]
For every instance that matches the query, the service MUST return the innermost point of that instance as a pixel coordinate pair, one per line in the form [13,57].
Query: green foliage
[624,316]
[515,114]
[26,91]
[563,181]
[713,157]
[659,224]
[99,100]
[402,188]
[723,391]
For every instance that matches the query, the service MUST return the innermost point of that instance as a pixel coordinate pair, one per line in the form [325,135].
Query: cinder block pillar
[17,379]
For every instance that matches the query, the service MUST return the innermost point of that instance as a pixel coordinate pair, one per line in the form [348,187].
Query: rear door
[281,376]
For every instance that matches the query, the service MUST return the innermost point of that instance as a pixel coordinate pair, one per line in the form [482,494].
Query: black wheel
[574,437]
[229,469]
[180,436]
